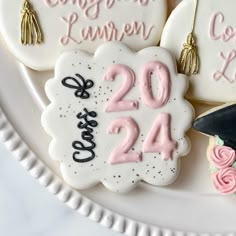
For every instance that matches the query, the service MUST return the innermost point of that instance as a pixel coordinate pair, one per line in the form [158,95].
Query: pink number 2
[121,153]
[116,103]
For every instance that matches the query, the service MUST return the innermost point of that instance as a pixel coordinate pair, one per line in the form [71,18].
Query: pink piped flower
[222,156]
[224,180]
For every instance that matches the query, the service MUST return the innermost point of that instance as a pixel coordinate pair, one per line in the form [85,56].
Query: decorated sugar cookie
[39,30]
[219,123]
[117,117]
[210,49]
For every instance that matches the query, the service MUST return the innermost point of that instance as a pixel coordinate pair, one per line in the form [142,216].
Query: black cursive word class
[87,136]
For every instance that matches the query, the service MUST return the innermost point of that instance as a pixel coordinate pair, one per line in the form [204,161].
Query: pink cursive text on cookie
[90,8]
[107,32]
[219,31]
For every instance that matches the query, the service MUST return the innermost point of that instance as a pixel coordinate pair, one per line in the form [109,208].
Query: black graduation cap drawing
[221,123]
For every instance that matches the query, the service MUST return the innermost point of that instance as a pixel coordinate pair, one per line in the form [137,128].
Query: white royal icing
[141,117]
[83,25]
[215,32]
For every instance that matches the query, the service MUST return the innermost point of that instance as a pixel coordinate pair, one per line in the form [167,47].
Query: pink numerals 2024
[120,153]
[161,125]
[116,103]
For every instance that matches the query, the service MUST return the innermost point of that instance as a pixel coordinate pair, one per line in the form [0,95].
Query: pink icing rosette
[225,180]
[222,156]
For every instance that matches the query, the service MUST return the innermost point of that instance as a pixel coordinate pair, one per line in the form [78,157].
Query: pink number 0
[120,154]
[164,84]
[116,103]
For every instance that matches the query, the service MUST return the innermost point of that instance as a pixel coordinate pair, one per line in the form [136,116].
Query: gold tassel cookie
[189,62]
[30,29]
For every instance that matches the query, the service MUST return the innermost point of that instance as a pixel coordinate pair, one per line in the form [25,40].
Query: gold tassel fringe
[30,29]
[189,59]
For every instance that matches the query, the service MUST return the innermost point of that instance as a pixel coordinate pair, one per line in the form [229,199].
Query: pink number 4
[164,145]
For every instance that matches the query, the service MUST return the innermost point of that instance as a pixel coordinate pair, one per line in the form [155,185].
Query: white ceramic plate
[187,207]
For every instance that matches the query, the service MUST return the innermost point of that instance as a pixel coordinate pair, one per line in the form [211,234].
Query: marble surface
[27,208]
